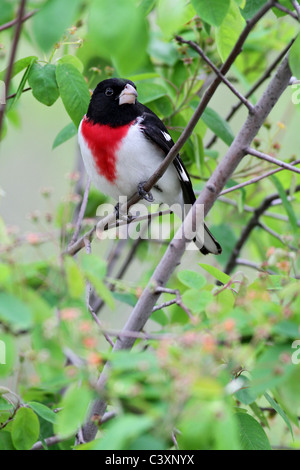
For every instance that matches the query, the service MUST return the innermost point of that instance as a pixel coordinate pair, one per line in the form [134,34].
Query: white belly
[137,160]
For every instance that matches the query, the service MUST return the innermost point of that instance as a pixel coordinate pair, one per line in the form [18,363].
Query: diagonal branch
[143,309]
[252,224]
[275,161]
[12,56]
[11,23]
[198,49]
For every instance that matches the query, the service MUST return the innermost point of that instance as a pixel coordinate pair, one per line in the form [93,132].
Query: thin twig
[275,161]
[15,94]
[252,224]
[170,260]
[256,179]
[12,56]
[81,211]
[252,265]
[297,7]
[250,209]
[276,235]
[254,88]
[8,25]
[198,49]
[285,10]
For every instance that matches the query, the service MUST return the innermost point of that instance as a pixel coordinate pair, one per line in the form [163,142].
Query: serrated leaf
[42,80]
[69,131]
[280,411]
[252,435]
[25,429]
[73,60]
[74,91]
[212,13]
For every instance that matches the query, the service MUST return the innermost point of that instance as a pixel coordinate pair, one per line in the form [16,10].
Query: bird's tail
[209,244]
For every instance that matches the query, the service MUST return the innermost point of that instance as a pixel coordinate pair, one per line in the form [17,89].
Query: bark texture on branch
[207,197]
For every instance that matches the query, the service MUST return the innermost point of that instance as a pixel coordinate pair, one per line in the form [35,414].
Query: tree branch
[252,224]
[255,87]
[12,56]
[8,25]
[143,309]
[198,49]
[275,161]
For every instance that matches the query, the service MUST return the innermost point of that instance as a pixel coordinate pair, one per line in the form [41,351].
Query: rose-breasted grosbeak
[123,142]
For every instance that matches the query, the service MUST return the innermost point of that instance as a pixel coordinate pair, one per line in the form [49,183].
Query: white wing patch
[166,136]
[183,173]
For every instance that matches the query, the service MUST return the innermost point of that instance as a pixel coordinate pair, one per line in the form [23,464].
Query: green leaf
[286,204]
[119,31]
[149,91]
[212,13]
[196,301]
[69,131]
[172,15]
[6,11]
[74,406]
[8,354]
[218,125]
[192,279]
[75,279]
[280,411]
[71,59]
[18,66]
[229,31]
[251,8]
[74,91]
[42,80]
[14,312]
[120,432]
[252,435]
[20,87]
[25,429]
[51,21]
[43,411]
[294,57]
[92,264]
[216,273]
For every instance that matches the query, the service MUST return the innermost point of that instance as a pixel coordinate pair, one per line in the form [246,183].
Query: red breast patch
[103,142]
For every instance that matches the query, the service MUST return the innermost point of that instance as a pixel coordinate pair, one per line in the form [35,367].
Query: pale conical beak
[128,95]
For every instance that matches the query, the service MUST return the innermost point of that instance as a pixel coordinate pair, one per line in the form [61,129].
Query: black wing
[156,131]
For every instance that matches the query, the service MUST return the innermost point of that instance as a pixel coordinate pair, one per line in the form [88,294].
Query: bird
[123,142]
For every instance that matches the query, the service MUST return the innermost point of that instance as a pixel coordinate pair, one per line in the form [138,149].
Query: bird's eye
[109,91]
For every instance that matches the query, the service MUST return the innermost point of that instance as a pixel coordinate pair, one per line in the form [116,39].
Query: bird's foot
[121,216]
[144,194]
[117,210]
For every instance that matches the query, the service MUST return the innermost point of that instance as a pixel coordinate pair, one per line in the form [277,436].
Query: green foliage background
[229,379]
